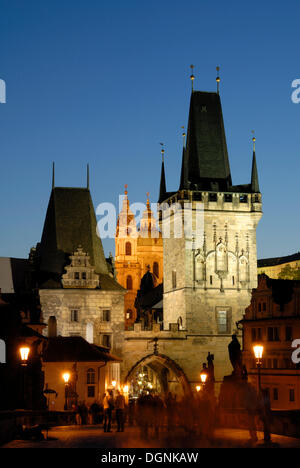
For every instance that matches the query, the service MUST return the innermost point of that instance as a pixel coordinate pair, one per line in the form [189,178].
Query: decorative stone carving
[80,274]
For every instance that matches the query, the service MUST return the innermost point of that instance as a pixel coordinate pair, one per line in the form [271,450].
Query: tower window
[210,279]
[106,340]
[223,322]
[106,315]
[83,275]
[129,282]
[156,269]
[174,281]
[74,315]
[233,281]
[77,275]
[128,248]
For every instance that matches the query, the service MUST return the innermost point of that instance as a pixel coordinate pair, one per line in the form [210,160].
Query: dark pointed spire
[162,188]
[254,173]
[206,158]
[183,181]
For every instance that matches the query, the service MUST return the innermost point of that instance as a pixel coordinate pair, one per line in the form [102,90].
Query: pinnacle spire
[254,173]
[162,188]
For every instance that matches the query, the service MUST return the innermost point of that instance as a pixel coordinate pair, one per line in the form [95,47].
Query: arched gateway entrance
[159,373]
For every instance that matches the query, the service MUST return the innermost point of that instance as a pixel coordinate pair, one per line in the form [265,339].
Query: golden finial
[192,76]
[126,187]
[218,79]
[162,151]
[148,203]
[253,139]
[183,136]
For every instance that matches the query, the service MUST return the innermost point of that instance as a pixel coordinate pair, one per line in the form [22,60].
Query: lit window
[129,314]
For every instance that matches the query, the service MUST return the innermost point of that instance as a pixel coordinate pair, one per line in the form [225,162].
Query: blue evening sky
[105,82]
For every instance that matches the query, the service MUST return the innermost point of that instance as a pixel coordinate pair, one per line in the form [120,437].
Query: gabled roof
[70,222]
[75,349]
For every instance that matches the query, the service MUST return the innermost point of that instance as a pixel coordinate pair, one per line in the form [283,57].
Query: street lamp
[203,377]
[24,353]
[66,377]
[198,388]
[258,352]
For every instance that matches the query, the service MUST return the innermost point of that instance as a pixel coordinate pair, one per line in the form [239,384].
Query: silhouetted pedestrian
[120,411]
[108,406]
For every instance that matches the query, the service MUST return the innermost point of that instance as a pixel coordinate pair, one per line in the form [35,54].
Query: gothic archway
[168,373]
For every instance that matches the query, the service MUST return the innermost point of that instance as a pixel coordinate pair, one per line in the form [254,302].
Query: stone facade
[83,308]
[273,320]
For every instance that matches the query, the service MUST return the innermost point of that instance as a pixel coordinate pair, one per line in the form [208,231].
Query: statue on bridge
[235,356]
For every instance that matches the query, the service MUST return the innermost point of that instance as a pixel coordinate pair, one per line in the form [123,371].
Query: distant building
[273,319]
[138,249]
[280,267]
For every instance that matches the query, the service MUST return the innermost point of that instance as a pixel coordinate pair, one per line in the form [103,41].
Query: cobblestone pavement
[94,437]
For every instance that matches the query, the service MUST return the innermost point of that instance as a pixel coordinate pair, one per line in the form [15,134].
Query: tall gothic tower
[210,267]
[138,248]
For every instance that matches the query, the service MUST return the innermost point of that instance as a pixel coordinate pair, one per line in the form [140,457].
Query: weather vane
[192,77]
[162,150]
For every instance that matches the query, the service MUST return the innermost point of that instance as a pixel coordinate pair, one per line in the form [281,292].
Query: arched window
[128,248]
[156,269]
[129,282]
[90,376]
